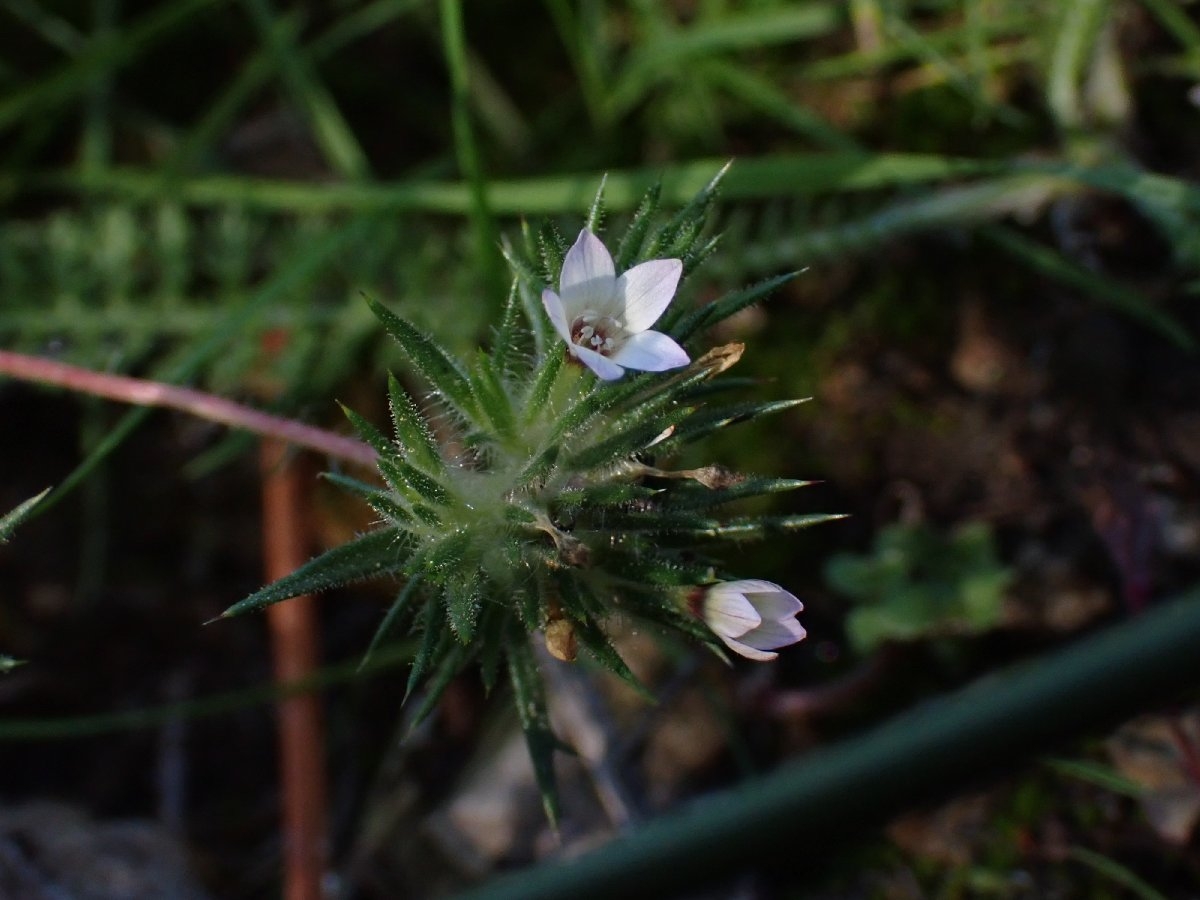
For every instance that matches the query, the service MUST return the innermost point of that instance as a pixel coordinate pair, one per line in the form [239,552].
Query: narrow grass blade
[1053,265]
[333,134]
[14,518]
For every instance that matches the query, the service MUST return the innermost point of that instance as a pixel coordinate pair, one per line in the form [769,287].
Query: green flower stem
[991,725]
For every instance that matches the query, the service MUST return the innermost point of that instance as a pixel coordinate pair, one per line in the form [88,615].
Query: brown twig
[285,539]
[141,392]
[293,627]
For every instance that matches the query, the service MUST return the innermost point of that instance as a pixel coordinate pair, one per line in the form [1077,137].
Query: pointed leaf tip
[10,521]
[371,555]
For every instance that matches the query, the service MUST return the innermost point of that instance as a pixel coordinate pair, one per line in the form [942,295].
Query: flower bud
[752,618]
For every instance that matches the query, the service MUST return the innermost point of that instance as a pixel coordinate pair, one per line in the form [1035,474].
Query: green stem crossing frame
[787,818]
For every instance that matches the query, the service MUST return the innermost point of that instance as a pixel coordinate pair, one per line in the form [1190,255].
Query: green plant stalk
[69,727]
[769,177]
[990,726]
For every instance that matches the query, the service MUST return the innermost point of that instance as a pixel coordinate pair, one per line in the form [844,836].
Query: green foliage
[555,524]
[128,265]
[157,255]
[918,583]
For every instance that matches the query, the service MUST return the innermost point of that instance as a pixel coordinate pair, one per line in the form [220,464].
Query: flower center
[596,332]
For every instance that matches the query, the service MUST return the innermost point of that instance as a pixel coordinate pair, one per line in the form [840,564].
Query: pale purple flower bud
[753,618]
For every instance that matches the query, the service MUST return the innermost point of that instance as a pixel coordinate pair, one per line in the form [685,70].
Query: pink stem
[140,392]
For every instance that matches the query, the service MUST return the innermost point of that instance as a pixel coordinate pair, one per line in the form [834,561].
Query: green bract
[544,507]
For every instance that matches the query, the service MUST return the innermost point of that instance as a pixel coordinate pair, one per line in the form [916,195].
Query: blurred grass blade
[60,728]
[770,177]
[763,96]
[114,50]
[661,56]
[1100,775]
[466,148]
[330,129]
[1053,265]
[1115,872]
[11,520]
[1079,22]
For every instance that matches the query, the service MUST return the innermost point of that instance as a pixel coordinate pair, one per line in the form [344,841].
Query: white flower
[752,617]
[605,320]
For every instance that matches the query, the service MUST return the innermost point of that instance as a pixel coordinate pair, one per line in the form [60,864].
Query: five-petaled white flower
[605,320]
[752,617]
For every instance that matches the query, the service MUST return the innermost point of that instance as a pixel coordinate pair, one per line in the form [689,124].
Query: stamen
[596,332]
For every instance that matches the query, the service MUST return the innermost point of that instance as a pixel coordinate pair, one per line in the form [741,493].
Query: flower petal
[558,316]
[587,260]
[772,601]
[752,586]
[748,651]
[729,614]
[646,289]
[651,351]
[603,366]
[772,635]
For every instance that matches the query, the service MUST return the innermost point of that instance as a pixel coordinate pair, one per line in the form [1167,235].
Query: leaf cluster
[918,583]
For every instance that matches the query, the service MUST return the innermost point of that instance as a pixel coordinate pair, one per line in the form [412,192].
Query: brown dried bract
[561,641]
[720,359]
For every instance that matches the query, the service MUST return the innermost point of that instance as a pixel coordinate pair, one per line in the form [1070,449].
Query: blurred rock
[1161,753]
[51,851]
